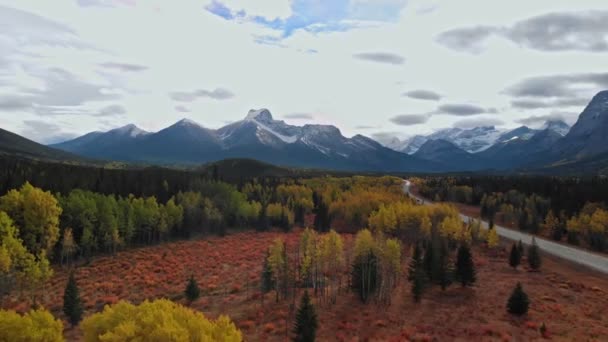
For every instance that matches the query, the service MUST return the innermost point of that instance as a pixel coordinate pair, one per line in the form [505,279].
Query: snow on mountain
[129,130]
[557,126]
[471,140]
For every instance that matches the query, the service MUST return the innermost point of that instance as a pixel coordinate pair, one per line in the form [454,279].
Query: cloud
[315,16]
[536,120]
[466,38]
[14,103]
[553,32]
[478,122]
[105,3]
[45,132]
[112,110]
[565,86]
[423,95]
[568,31]
[559,102]
[182,109]
[216,94]
[365,127]
[461,109]
[380,57]
[303,116]
[125,67]
[410,119]
[65,89]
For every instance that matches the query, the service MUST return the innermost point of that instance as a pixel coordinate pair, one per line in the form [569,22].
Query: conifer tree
[416,273]
[72,305]
[465,268]
[520,248]
[306,321]
[515,256]
[534,260]
[518,302]
[192,291]
[444,269]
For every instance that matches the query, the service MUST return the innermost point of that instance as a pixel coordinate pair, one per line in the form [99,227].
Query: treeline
[565,209]
[567,194]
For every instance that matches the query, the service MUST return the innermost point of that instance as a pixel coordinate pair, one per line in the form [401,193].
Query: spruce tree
[416,273]
[534,260]
[520,248]
[306,321]
[444,269]
[428,260]
[72,305]
[192,291]
[515,256]
[518,302]
[416,263]
[465,268]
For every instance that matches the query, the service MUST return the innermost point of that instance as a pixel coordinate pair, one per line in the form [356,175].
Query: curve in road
[580,257]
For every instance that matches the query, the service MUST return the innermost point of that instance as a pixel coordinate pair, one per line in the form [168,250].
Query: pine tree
[416,273]
[518,302]
[465,268]
[263,223]
[428,261]
[444,269]
[534,256]
[192,291]
[72,305]
[515,256]
[520,248]
[416,263]
[306,321]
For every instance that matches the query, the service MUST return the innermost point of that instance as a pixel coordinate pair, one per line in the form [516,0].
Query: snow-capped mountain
[257,136]
[471,140]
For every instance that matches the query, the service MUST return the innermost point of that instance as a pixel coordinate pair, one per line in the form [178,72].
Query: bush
[125,321]
[34,326]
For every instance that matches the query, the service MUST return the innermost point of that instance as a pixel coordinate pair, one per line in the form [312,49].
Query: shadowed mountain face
[257,136]
[13,144]
[445,152]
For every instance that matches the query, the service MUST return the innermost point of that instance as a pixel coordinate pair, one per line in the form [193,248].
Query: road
[578,256]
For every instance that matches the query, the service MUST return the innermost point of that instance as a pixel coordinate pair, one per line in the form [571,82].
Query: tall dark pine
[518,302]
[322,218]
[520,248]
[515,256]
[465,268]
[416,274]
[534,260]
[263,223]
[306,321]
[192,291]
[72,305]
[444,268]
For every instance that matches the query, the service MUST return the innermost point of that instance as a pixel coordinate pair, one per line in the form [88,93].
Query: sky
[381,68]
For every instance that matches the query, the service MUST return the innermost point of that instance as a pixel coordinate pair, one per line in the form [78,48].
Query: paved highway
[578,256]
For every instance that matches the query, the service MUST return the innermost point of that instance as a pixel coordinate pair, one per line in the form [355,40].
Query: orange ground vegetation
[572,303]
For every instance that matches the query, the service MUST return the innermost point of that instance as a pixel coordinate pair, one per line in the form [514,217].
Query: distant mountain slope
[13,144]
[517,152]
[257,136]
[445,152]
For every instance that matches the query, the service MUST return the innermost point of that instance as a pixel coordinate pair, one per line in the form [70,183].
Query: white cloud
[179,46]
[265,8]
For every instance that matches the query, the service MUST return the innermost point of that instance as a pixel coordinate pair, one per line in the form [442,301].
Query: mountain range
[258,136]
[555,147]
